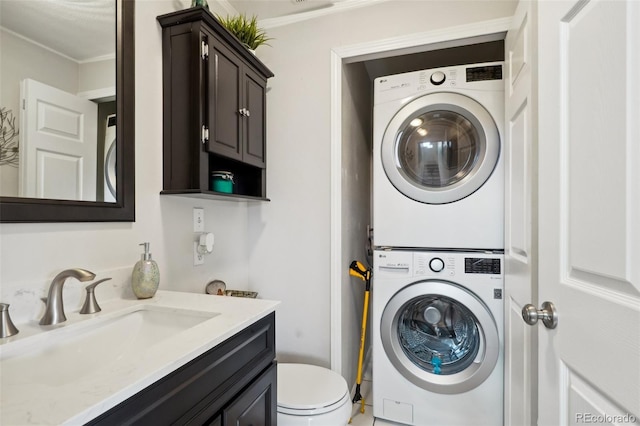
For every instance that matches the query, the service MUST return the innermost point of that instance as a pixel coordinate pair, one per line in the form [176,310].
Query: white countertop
[81,400]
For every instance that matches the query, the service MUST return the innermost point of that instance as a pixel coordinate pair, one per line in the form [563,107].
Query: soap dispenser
[146,276]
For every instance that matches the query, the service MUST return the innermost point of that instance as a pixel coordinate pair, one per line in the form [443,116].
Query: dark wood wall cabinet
[214,107]
[232,384]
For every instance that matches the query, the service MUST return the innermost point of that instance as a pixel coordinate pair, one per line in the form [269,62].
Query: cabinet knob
[247,113]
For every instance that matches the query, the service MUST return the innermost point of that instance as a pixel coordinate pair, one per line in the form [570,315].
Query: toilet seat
[307,390]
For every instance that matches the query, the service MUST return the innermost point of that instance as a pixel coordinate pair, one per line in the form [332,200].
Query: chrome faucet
[54,312]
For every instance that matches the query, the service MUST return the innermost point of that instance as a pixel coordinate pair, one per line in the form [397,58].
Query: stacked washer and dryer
[438,218]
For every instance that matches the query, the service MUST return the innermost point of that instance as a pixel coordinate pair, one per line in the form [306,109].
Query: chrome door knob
[548,314]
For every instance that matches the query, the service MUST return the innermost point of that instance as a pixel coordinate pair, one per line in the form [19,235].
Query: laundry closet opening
[356,158]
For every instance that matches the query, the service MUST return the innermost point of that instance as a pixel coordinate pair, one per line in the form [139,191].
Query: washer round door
[440,336]
[440,148]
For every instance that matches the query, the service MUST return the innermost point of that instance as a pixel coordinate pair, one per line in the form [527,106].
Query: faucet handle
[90,303]
[7,328]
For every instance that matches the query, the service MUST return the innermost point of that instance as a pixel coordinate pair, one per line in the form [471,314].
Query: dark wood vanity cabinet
[214,100]
[232,384]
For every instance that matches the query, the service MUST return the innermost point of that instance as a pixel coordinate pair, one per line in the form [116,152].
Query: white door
[58,146]
[589,211]
[520,216]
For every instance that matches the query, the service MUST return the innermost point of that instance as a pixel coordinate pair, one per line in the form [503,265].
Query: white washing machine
[438,337]
[438,178]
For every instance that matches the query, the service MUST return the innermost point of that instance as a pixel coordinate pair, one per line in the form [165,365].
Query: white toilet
[309,395]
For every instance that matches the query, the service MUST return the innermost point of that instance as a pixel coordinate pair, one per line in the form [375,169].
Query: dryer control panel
[482,76]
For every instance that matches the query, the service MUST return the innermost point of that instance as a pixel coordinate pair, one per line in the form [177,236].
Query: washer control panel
[473,266]
[481,265]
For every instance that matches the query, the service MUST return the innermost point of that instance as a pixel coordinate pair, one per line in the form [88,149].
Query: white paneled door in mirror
[58,149]
[589,210]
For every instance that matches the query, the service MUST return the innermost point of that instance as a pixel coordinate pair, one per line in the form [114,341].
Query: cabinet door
[224,100]
[257,405]
[254,132]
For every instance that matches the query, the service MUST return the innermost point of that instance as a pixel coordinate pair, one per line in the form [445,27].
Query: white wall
[289,237]
[32,254]
[97,75]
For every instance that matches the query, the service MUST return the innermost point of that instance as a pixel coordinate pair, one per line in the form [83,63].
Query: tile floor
[366,418]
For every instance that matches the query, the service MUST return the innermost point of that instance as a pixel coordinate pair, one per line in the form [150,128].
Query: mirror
[108,167]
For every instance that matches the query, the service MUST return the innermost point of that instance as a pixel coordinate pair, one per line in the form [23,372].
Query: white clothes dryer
[438,178]
[438,337]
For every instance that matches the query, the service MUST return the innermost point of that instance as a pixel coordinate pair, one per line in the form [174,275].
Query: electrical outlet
[198,219]
[198,258]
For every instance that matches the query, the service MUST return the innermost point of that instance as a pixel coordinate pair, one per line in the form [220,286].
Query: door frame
[490,30]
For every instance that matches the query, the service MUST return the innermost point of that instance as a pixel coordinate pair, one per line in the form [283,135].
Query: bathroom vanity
[178,358]
[226,385]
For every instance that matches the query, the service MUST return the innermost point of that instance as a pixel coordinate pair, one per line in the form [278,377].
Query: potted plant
[246,30]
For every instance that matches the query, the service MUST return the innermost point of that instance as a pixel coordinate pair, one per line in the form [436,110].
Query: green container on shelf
[222,182]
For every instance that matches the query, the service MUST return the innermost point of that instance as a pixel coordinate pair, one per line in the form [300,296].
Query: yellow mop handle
[362,337]
[358,270]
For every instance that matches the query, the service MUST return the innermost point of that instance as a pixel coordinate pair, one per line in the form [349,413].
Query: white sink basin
[71,352]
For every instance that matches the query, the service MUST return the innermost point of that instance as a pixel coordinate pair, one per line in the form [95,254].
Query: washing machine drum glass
[440,148]
[440,336]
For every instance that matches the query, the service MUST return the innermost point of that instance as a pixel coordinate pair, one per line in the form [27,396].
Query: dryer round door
[440,336]
[440,148]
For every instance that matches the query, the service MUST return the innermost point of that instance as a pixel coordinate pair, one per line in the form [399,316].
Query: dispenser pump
[145,277]
[146,255]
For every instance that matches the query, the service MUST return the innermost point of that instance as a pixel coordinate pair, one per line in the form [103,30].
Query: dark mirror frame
[31,210]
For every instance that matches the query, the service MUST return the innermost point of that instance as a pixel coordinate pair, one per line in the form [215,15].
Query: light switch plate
[198,219]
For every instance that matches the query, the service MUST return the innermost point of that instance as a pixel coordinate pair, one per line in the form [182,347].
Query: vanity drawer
[198,390]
